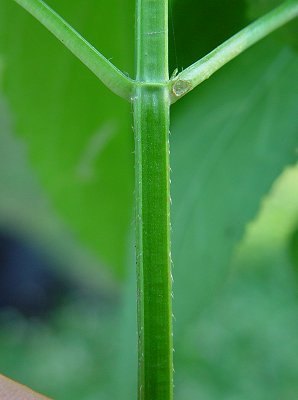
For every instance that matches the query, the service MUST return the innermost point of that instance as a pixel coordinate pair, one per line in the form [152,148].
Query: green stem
[151,119]
[204,68]
[112,77]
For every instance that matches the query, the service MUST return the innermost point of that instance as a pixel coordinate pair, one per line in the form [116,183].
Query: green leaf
[79,135]
[230,140]
[26,212]
[246,340]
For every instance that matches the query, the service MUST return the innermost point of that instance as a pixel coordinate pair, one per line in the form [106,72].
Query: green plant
[152,93]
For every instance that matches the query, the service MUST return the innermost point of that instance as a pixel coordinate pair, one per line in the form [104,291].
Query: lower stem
[151,120]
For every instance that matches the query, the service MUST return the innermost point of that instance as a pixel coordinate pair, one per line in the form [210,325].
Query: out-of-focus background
[67,270]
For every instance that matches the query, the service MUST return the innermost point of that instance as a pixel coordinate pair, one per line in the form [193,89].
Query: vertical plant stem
[151,120]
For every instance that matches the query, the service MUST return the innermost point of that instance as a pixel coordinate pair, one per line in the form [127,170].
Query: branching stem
[188,79]
[204,68]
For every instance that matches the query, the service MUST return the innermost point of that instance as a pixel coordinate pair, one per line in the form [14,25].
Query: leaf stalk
[212,62]
[111,76]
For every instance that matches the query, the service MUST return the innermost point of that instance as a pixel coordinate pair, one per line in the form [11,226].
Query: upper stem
[152,41]
[111,76]
[205,67]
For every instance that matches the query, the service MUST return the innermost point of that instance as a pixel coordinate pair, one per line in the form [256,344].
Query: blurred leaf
[79,134]
[70,356]
[245,343]
[196,27]
[289,33]
[26,212]
[231,139]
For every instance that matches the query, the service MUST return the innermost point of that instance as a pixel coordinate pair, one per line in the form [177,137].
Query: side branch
[204,68]
[112,77]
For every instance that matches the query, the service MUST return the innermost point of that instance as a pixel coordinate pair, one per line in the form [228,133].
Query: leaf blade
[243,122]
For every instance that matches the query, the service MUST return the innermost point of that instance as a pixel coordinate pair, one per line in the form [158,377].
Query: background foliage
[66,176]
